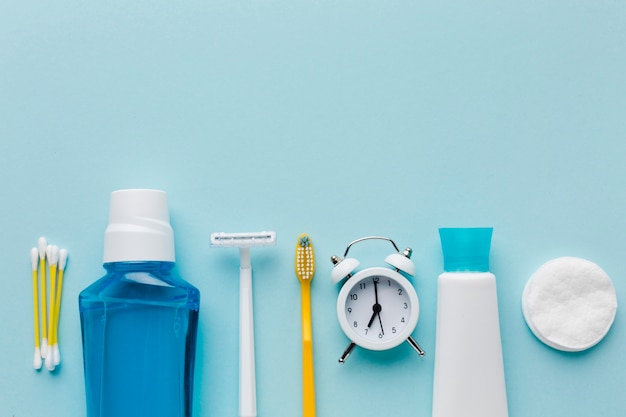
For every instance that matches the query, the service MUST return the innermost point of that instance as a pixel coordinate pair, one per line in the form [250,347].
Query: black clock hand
[375,304]
[377,308]
[375,290]
[372,319]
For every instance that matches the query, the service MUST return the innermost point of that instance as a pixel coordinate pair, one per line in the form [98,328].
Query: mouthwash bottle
[139,321]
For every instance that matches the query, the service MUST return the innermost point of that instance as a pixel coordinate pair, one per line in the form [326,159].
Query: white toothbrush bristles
[34,260]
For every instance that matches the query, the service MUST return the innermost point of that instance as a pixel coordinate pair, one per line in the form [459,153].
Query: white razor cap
[139,227]
[243,240]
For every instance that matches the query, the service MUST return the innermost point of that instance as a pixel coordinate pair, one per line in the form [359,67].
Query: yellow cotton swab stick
[62,263]
[34,258]
[43,291]
[52,252]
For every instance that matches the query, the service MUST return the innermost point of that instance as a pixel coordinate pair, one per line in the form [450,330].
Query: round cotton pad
[569,304]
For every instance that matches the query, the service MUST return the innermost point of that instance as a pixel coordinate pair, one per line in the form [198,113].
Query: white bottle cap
[139,227]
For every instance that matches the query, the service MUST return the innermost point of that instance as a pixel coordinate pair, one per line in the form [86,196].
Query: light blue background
[336,118]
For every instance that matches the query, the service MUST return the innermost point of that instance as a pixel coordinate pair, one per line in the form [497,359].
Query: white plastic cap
[139,227]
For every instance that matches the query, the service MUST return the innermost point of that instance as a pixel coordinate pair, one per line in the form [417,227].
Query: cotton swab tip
[62,259]
[37,362]
[44,347]
[56,355]
[52,252]
[50,362]
[42,244]
[34,258]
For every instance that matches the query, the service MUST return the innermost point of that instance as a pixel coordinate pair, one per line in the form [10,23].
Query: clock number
[402,320]
[389,282]
[355,324]
[380,335]
[366,329]
[376,279]
[393,330]
[362,285]
[353,297]
[399,291]
[406,306]
[349,309]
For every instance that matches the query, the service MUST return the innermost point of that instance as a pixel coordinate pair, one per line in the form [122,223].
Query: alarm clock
[377,307]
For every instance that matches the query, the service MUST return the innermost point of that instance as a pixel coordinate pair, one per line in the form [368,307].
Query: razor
[247,378]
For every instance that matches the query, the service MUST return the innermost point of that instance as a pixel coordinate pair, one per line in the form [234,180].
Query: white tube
[469,372]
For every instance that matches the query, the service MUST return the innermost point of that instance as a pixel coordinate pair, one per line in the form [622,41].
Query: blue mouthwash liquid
[139,325]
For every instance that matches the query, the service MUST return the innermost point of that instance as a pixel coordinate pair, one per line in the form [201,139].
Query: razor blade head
[243,240]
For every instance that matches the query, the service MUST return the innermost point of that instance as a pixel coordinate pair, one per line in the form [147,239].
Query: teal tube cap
[466,249]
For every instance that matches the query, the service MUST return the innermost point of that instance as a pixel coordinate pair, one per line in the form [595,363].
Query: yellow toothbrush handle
[308,378]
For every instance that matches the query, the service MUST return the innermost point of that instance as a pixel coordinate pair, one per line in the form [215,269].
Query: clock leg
[415,346]
[347,352]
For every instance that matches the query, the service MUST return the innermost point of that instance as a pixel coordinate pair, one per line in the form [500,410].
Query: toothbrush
[305,269]
[42,245]
[52,252]
[34,258]
[57,305]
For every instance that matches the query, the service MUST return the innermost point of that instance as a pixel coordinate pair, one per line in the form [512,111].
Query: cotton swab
[34,257]
[44,319]
[57,304]
[52,252]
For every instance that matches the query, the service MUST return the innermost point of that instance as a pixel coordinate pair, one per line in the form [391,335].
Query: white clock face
[378,308]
